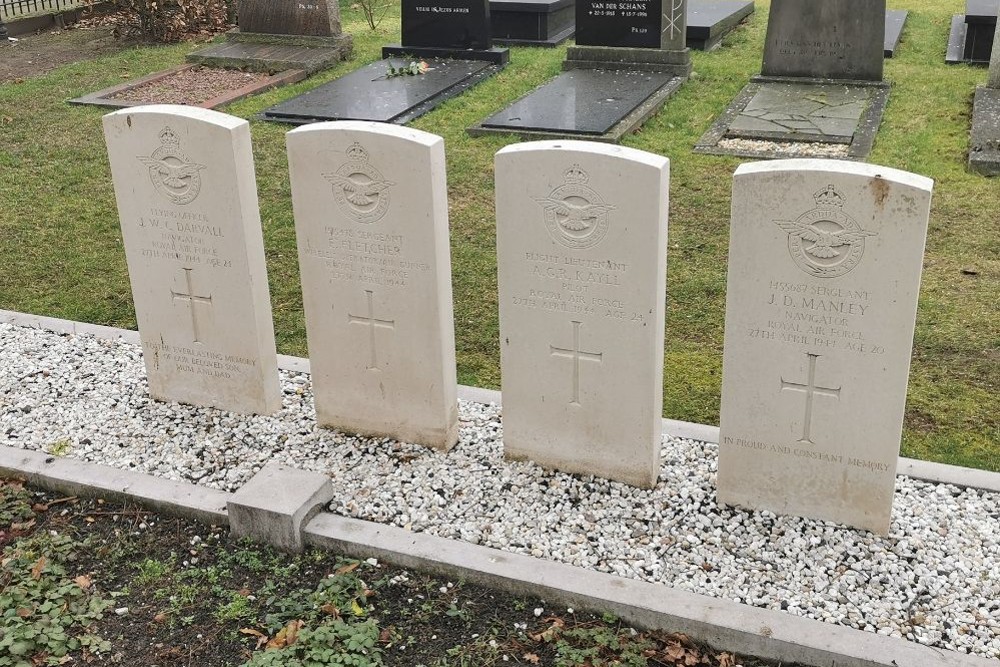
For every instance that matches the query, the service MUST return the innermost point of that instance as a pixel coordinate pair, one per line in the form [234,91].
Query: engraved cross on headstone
[810,388]
[192,300]
[577,355]
[371,322]
[673,25]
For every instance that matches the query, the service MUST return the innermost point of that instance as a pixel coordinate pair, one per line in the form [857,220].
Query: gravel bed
[785,148]
[935,579]
[190,86]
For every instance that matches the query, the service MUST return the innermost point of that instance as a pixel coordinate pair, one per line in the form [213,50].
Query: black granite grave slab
[619,23]
[585,103]
[708,21]
[895,20]
[984,141]
[788,113]
[269,56]
[532,22]
[367,94]
[971,37]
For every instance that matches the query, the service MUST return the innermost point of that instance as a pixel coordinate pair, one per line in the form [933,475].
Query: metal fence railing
[12,9]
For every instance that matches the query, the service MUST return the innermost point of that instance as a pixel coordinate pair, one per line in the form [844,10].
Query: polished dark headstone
[586,102]
[971,38]
[367,94]
[447,29]
[827,39]
[532,22]
[708,21]
[621,23]
[895,19]
[446,24]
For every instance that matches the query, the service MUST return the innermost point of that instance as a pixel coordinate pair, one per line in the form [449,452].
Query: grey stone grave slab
[797,112]
[708,21]
[580,102]
[984,150]
[275,36]
[532,22]
[820,82]
[971,38]
[367,94]
[895,20]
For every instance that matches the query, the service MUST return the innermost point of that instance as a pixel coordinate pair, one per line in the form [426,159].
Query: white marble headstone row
[825,262]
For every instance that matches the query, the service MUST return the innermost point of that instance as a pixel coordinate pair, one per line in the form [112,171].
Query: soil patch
[166,592]
[34,55]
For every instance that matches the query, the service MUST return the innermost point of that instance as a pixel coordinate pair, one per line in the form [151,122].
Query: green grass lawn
[61,252]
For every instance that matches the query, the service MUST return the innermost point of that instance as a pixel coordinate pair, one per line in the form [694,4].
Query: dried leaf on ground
[532,658]
[347,568]
[36,570]
[287,635]
[261,637]
[83,581]
[549,633]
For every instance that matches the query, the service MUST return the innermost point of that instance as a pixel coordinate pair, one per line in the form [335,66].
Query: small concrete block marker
[187,202]
[581,254]
[274,506]
[824,269]
[371,217]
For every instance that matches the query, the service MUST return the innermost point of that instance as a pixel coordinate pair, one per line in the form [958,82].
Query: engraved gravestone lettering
[192,300]
[825,242]
[372,323]
[575,215]
[577,355]
[359,188]
[172,173]
[810,388]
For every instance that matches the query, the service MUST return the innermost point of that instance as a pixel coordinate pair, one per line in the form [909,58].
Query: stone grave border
[724,624]
[103,98]
[858,149]
[985,130]
[630,123]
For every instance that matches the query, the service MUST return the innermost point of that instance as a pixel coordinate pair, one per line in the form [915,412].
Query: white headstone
[187,201]
[371,216]
[581,251]
[824,270]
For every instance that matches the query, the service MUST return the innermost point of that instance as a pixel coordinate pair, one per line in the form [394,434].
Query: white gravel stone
[935,579]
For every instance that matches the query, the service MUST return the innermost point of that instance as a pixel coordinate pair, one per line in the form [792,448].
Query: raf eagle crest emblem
[575,215]
[359,188]
[826,242]
[173,175]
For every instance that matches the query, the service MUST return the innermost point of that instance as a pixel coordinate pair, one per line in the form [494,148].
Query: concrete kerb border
[724,624]
[928,471]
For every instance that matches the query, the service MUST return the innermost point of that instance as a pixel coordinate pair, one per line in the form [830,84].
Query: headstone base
[368,94]
[532,22]
[782,117]
[971,38]
[708,21]
[619,102]
[495,55]
[984,154]
[677,62]
[262,52]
